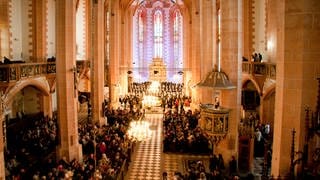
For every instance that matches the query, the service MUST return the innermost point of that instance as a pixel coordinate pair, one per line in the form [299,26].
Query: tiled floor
[149,162]
[146,161]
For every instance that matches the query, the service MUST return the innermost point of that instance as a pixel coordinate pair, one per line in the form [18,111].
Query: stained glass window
[158,34]
[177,39]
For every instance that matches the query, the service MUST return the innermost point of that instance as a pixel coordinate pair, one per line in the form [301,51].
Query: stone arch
[39,83]
[267,92]
[256,85]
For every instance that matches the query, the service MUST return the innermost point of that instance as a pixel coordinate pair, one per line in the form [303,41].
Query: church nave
[150,162]
[146,160]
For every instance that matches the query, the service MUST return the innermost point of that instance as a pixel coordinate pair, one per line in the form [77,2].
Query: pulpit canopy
[216,80]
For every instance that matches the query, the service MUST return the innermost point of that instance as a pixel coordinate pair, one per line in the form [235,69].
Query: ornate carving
[13,74]
[214,122]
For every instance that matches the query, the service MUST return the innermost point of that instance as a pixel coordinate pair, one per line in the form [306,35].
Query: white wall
[259,26]
[15,29]
[51,23]
[19,28]
[31,100]
[81,31]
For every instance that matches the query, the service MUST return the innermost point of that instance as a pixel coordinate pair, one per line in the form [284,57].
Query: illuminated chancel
[157,28]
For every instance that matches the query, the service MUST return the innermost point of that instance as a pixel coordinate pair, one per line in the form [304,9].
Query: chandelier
[139,130]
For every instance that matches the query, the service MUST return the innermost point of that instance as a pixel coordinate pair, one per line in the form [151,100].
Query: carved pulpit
[157,70]
[214,121]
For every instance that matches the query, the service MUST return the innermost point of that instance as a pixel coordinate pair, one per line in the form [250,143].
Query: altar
[157,70]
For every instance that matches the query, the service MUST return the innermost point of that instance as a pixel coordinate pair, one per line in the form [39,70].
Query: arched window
[158,34]
[140,22]
[107,26]
[177,39]
[219,37]
[140,36]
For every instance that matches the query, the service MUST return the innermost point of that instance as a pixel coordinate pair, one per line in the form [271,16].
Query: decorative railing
[15,72]
[246,128]
[10,73]
[260,69]
[214,121]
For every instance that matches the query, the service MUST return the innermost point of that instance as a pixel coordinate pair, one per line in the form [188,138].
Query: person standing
[233,166]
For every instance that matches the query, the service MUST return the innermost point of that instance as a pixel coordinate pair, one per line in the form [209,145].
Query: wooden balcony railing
[260,69]
[15,72]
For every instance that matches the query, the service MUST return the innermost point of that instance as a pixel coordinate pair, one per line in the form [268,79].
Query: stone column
[126,57]
[115,48]
[39,13]
[4,29]
[2,162]
[294,34]
[195,52]
[97,63]
[208,44]
[66,90]
[47,105]
[187,74]
[231,53]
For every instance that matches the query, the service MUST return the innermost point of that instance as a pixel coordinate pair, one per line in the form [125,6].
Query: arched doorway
[250,118]
[30,135]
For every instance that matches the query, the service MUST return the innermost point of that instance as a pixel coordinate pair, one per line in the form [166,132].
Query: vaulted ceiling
[127,3]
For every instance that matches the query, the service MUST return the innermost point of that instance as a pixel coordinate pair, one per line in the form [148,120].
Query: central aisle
[148,160]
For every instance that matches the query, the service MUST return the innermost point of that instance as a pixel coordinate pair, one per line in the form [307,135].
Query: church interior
[159,89]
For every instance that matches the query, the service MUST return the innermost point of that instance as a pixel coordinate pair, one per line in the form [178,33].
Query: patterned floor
[146,161]
[149,162]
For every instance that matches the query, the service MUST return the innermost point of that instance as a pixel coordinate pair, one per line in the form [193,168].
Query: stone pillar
[208,36]
[66,90]
[39,13]
[204,20]
[115,48]
[187,74]
[126,59]
[231,53]
[293,38]
[195,52]
[4,29]
[47,105]
[247,29]
[2,162]
[97,63]
[251,158]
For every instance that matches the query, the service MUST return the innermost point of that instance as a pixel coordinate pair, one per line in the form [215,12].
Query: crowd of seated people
[113,146]
[196,170]
[182,133]
[36,139]
[106,150]
[173,100]
[132,101]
